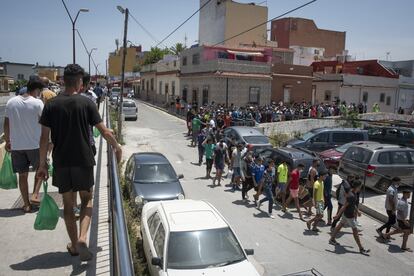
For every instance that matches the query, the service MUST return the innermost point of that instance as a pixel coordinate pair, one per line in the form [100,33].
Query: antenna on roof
[388,55]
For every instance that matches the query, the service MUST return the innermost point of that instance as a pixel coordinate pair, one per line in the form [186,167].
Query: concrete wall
[168,79]
[211,25]
[302,126]
[14,70]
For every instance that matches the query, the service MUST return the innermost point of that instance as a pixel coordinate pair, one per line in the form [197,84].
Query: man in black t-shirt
[350,212]
[67,118]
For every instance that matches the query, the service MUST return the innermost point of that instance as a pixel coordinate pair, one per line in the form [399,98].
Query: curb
[363,208]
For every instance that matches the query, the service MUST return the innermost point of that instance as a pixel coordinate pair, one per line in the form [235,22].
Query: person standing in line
[327,188]
[391,201]
[282,181]
[403,222]
[257,176]
[341,193]
[200,139]
[350,211]
[22,136]
[294,189]
[209,152]
[67,118]
[318,202]
[247,181]
[268,178]
[220,155]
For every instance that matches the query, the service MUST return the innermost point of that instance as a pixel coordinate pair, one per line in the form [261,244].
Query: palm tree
[155,55]
[177,48]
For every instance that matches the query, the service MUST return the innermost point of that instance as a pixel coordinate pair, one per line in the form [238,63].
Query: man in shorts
[22,135]
[391,201]
[236,166]
[350,211]
[247,179]
[209,152]
[312,177]
[67,118]
[294,189]
[220,155]
[282,181]
[403,222]
[318,202]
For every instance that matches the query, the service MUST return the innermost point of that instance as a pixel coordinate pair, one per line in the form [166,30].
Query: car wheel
[383,185]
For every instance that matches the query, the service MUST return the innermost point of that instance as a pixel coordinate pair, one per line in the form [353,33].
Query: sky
[41,31]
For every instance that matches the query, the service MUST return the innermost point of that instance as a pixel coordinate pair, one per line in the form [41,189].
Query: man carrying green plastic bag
[48,215]
[8,179]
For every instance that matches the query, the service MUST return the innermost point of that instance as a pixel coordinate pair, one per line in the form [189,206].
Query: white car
[190,237]
[130,110]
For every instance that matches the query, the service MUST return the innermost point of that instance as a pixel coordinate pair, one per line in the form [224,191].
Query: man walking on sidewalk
[22,135]
[318,202]
[67,118]
[391,201]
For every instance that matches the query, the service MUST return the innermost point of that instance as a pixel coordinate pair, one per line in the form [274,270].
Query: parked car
[150,177]
[115,91]
[130,110]
[254,139]
[331,157]
[292,156]
[378,163]
[321,139]
[392,135]
[190,237]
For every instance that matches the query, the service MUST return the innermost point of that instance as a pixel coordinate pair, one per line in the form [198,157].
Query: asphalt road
[282,245]
[2,110]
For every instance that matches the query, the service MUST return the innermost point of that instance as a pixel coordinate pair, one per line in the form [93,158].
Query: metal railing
[121,256]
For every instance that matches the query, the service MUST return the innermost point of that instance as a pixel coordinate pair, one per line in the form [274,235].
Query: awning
[256,54]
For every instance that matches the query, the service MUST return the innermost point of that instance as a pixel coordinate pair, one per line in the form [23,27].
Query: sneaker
[308,224]
[379,233]
[76,211]
[271,216]
[364,251]
[333,242]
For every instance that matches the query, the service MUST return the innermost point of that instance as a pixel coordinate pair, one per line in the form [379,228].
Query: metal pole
[89,55]
[122,75]
[73,42]
[227,92]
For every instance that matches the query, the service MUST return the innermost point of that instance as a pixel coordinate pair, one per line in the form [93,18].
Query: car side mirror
[180,176]
[249,252]
[156,261]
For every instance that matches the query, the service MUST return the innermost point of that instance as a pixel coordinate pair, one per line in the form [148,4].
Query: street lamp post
[89,55]
[73,27]
[126,12]
[96,70]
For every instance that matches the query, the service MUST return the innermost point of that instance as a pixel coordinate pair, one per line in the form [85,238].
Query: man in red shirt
[294,188]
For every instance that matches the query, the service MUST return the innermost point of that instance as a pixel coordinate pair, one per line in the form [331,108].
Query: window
[399,157]
[384,158]
[316,52]
[184,61]
[328,96]
[365,97]
[321,138]
[143,84]
[129,172]
[205,94]
[388,100]
[382,97]
[254,95]
[152,84]
[185,89]
[166,89]
[412,156]
[173,88]
[196,59]
[20,76]
[175,63]
[346,137]
[160,88]
[357,154]
[147,85]
[159,241]
[153,222]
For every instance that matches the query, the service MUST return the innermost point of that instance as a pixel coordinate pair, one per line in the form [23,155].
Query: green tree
[136,68]
[177,49]
[17,85]
[155,55]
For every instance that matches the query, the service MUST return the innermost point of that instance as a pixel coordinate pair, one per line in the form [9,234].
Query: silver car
[130,110]
[378,164]
[254,139]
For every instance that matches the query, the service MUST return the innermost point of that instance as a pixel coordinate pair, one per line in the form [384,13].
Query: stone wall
[303,126]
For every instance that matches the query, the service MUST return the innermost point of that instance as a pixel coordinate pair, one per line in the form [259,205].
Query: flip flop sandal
[27,209]
[84,253]
[35,202]
[407,249]
[72,253]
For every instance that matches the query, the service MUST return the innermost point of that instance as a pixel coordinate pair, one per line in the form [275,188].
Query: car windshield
[343,148]
[128,104]
[256,139]
[203,249]
[307,135]
[150,173]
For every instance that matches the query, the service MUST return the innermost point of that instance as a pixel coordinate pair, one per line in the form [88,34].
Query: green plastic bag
[96,132]
[50,170]
[8,179]
[48,214]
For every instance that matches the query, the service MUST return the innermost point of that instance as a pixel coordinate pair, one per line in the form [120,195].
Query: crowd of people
[280,184]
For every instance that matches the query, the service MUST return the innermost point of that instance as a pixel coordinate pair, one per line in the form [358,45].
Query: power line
[205,4]
[86,49]
[274,18]
[144,29]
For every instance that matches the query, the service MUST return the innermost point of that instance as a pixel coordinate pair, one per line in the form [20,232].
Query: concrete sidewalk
[372,204]
[25,251]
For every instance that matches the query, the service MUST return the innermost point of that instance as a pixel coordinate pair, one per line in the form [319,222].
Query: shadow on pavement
[8,213]
[247,204]
[341,249]
[51,260]
[393,248]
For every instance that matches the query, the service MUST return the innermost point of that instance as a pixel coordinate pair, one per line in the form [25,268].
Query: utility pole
[126,12]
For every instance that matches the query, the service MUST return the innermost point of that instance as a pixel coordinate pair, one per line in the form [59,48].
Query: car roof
[372,146]
[150,158]
[295,153]
[191,215]
[246,131]
[322,129]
